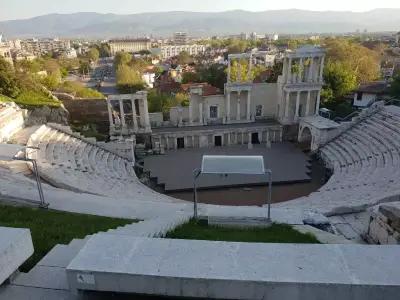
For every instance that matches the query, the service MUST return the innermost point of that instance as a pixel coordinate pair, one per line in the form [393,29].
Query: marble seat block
[15,248]
[224,270]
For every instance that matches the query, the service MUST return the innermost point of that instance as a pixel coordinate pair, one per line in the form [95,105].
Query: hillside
[200,24]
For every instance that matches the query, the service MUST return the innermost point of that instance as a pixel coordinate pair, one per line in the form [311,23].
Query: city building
[180,38]
[168,51]
[245,112]
[43,46]
[6,54]
[371,92]
[129,45]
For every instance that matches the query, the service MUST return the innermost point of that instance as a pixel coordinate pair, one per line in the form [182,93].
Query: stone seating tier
[69,162]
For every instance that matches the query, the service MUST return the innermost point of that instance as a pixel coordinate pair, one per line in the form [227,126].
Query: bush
[34,98]
[78,90]
[5,99]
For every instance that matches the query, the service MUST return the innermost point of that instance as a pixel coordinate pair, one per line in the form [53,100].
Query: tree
[361,60]
[214,74]
[339,78]
[190,77]
[395,87]
[128,80]
[122,58]
[93,54]
[8,84]
[184,58]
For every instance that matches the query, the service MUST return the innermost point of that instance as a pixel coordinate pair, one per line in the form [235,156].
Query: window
[213,112]
[359,96]
[258,110]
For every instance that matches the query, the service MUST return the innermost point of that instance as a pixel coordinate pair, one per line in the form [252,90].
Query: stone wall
[384,227]
[45,114]
[87,110]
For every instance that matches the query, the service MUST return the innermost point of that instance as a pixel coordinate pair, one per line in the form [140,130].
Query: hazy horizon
[13,11]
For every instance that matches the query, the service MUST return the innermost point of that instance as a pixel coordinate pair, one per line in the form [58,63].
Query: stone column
[201,113]
[146,115]
[190,112]
[134,116]
[248,115]
[228,107]
[242,137]
[250,67]
[296,115]
[249,143]
[301,70]
[321,70]
[318,102]
[122,113]
[229,71]
[228,142]
[285,67]
[308,103]
[311,70]
[289,73]
[110,115]
[167,142]
[286,113]
[238,107]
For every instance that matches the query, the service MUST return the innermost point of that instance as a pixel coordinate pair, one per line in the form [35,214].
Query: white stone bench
[223,270]
[15,248]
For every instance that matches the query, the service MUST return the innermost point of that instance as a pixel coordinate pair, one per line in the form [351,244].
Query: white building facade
[246,112]
[129,45]
[169,51]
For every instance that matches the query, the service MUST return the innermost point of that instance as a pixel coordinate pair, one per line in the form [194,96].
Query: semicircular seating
[365,161]
[69,161]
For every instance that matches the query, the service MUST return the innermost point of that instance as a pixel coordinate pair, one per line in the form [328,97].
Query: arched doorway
[305,138]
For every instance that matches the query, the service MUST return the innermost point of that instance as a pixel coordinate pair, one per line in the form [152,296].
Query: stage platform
[174,169]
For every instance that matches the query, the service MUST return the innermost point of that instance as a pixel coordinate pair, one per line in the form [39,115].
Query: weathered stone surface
[45,114]
[225,270]
[15,248]
[392,212]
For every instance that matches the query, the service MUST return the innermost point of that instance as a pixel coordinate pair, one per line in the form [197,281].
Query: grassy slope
[277,233]
[5,99]
[49,227]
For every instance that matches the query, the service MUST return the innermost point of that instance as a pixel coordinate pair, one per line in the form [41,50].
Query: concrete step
[43,277]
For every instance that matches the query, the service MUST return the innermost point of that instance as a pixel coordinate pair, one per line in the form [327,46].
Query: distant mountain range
[200,23]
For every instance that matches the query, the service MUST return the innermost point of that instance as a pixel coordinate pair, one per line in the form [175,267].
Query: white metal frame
[231,159]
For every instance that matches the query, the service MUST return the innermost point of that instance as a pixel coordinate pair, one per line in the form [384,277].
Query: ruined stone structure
[128,114]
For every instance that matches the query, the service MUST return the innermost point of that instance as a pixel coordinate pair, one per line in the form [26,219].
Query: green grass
[5,99]
[49,227]
[78,90]
[276,233]
[33,98]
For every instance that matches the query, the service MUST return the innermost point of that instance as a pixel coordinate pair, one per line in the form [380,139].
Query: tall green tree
[339,78]
[8,83]
[122,58]
[128,80]
[93,54]
[184,58]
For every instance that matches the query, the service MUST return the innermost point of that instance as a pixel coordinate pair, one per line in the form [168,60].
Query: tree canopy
[93,54]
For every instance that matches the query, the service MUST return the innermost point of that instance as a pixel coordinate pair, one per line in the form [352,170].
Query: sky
[21,9]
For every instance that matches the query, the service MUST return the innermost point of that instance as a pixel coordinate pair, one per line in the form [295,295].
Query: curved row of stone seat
[11,120]
[69,162]
[365,161]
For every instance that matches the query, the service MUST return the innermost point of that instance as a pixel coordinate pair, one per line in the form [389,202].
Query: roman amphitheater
[355,214]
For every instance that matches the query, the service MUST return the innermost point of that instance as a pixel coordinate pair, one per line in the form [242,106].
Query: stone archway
[305,137]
